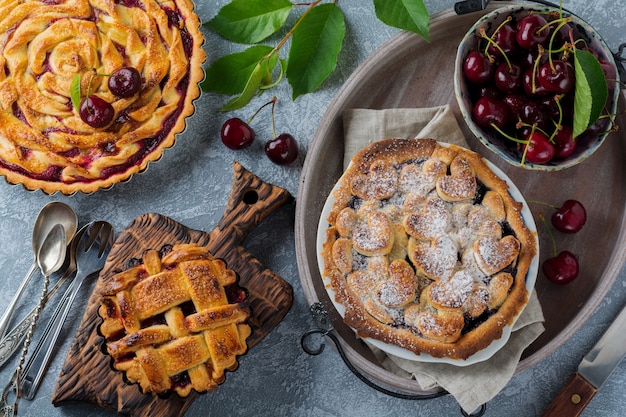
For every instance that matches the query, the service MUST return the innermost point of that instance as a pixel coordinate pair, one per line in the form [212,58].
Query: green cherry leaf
[230,73]
[410,15]
[252,86]
[250,21]
[75,91]
[315,48]
[591,91]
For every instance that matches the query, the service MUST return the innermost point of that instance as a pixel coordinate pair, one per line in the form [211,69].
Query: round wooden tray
[409,72]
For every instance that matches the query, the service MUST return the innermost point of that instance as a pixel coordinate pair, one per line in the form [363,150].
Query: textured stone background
[191,184]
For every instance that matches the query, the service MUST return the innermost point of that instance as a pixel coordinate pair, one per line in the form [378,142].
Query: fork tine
[87,239]
[106,239]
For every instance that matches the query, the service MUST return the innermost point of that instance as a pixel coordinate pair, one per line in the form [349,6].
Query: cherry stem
[543,219]
[543,203]
[562,22]
[509,137]
[273,100]
[273,125]
[535,69]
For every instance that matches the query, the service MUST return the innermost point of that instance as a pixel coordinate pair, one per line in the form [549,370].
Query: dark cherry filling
[114,337]
[125,358]
[180,380]
[153,321]
[481,190]
[473,323]
[235,294]
[188,308]
[133,262]
[130,3]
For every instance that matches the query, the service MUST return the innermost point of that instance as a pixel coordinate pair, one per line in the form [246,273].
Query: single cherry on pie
[47,45]
[175,320]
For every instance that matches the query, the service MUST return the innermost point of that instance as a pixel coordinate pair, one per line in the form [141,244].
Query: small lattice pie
[173,321]
[426,249]
[45,45]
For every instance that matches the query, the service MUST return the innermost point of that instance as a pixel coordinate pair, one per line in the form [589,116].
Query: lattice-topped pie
[49,48]
[426,249]
[173,321]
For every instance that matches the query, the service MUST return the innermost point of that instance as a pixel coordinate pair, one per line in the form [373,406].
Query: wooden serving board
[87,375]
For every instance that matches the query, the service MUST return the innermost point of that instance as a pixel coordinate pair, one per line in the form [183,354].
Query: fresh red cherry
[570,217]
[125,82]
[477,68]
[489,111]
[557,77]
[526,110]
[539,150]
[564,142]
[282,150]
[561,269]
[508,79]
[533,88]
[96,112]
[532,30]
[505,38]
[237,134]
[529,58]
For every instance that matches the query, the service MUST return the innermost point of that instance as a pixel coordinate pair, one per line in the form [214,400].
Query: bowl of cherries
[537,86]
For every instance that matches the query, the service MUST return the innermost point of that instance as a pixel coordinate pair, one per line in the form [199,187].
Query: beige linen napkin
[471,385]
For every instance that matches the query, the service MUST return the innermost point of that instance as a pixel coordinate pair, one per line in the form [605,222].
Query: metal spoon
[50,257]
[50,215]
[14,337]
[91,254]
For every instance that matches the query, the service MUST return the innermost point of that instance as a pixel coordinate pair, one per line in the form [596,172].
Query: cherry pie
[46,47]
[173,321]
[426,249]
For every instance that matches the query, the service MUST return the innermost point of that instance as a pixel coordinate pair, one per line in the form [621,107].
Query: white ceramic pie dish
[397,351]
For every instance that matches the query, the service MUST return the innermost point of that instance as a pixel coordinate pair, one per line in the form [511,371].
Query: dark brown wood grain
[87,374]
[572,399]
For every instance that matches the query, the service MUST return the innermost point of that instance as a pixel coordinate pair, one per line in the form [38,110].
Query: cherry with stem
[283,149]
[237,134]
[563,267]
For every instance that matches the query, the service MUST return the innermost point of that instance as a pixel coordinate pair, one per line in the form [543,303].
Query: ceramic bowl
[586,144]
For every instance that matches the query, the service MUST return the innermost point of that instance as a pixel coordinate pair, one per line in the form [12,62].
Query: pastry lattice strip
[169,324]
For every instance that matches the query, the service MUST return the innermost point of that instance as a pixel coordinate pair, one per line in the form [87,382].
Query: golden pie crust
[44,144]
[174,320]
[426,249]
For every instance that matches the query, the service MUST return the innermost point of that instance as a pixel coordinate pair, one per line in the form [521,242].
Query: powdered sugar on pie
[426,248]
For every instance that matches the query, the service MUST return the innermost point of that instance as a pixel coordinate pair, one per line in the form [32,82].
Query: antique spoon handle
[11,342]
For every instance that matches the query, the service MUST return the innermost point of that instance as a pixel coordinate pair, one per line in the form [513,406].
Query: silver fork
[91,253]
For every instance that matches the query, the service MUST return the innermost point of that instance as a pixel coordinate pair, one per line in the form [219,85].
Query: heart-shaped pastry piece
[452,293]
[477,301]
[430,222]
[498,288]
[380,183]
[442,326]
[436,260]
[346,222]
[460,185]
[421,180]
[493,255]
[373,236]
[400,288]
[342,254]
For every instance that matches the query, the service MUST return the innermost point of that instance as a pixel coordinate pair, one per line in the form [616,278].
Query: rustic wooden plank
[87,374]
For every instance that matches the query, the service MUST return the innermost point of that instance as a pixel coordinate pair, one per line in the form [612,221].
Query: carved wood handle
[572,399]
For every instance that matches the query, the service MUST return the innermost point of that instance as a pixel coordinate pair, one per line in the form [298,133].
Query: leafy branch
[316,40]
